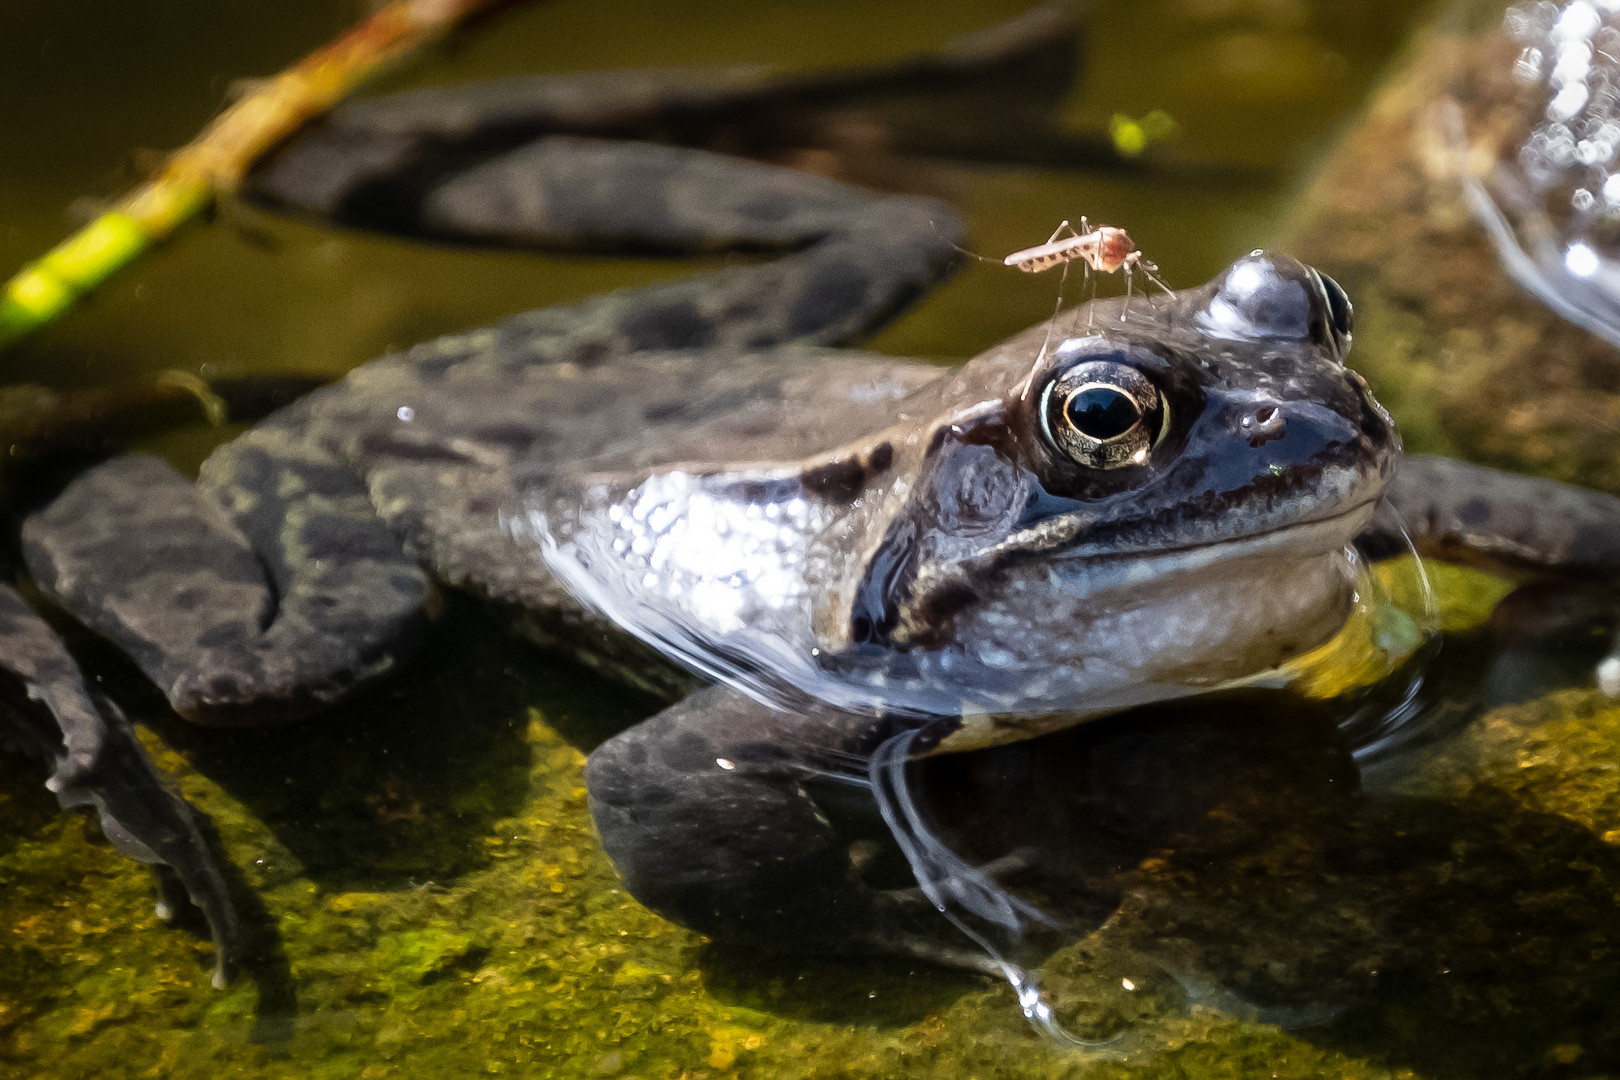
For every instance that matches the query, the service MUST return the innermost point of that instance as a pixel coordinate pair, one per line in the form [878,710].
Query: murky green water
[433,901]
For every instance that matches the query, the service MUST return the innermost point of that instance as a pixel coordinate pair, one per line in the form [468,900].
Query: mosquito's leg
[960,250]
[1152,272]
[1089,290]
[1067,228]
[1050,325]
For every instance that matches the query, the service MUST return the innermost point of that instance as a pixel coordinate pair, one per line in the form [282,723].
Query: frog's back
[636,412]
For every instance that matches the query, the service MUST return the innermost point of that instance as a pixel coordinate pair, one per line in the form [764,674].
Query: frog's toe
[954,886]
[96,761]
[996,870]
[150,824]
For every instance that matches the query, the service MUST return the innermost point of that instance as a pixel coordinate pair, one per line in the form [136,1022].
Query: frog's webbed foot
[266,591]
[551,163]
[852,260]
[725,815]
[1470,514]
[96,761]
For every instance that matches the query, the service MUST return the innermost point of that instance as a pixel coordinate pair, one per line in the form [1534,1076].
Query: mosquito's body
[1105,249]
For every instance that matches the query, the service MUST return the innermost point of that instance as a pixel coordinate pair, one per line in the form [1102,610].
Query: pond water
[426,896]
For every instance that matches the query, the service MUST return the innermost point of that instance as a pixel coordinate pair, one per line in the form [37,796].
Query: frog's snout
[1251,435]
[1271,297]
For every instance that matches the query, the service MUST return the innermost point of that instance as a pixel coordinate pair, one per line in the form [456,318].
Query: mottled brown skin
[306,561]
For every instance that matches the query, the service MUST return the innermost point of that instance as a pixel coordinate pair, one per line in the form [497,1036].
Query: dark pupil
[1103,412]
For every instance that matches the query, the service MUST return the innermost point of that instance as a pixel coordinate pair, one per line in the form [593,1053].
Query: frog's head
[1160,501]
[1167,496]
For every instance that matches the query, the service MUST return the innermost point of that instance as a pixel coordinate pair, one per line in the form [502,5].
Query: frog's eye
[1265,297]
[1341,317]
[1103,414]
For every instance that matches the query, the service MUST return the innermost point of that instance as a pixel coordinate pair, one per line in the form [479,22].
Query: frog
[830,562]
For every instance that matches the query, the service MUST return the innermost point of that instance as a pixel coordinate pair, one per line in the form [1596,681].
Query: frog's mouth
[1321,534]
[1304,507]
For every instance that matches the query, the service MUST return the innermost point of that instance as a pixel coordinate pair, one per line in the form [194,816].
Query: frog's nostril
[1263,424]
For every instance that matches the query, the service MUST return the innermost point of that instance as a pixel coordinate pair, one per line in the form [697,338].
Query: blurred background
[93,91]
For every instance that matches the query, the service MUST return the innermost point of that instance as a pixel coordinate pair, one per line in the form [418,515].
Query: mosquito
[1105,249]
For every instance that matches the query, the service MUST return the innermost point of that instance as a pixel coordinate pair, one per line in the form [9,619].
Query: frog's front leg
[266,591]
[1459,512]
[715,813]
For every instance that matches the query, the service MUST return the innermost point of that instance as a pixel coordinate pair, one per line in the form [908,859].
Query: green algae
[1559,754]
